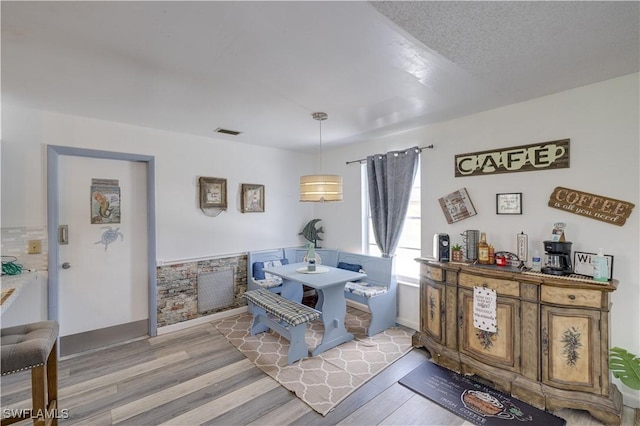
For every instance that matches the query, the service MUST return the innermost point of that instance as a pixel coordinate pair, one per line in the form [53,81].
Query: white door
[103,282]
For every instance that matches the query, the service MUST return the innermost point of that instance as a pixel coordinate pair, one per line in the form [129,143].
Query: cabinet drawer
[435,274]
[571,296]
[502,287]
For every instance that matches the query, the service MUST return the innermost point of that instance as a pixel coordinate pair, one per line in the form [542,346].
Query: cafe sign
[592,206]
[523,158]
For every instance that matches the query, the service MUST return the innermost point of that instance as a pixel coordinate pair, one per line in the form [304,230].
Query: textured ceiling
[263,67]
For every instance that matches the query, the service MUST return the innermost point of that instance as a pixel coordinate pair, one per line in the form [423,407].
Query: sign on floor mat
[473,401]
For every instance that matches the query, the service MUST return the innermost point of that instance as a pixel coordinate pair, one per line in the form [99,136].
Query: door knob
[66,265]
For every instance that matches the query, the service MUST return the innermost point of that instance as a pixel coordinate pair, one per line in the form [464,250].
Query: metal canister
[471,239]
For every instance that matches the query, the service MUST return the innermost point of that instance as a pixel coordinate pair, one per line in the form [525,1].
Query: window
[407,269]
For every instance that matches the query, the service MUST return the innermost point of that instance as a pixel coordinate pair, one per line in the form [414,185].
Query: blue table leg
[334,309]
[292,290]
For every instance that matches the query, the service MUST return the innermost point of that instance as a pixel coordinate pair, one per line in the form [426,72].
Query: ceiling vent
[227,131]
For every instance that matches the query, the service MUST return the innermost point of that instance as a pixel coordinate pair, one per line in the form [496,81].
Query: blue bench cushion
[364,289]
[264,279]
[287,310]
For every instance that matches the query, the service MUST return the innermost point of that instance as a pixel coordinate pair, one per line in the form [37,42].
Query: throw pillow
[350,266]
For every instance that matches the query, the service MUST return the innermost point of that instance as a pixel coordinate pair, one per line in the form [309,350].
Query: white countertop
[17,283]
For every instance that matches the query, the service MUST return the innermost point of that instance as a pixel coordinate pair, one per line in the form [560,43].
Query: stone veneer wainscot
[178,287]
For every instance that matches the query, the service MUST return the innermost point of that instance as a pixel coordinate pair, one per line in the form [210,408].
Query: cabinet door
[433,303]
[502,348]
[571,348]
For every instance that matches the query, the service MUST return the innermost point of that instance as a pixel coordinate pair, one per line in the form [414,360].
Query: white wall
[602,122]
[183,231]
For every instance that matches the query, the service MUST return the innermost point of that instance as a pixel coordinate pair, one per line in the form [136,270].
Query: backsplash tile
[14,242]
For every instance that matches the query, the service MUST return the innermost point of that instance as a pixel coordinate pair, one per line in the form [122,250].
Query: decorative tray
[319,270]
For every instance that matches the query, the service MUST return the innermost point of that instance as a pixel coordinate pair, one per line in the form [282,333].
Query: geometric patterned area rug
[325,380]
[473,401]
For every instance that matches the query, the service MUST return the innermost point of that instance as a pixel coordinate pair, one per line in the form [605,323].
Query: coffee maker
[557,258]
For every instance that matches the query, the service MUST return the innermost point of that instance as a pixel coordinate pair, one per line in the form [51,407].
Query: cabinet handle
[572,297]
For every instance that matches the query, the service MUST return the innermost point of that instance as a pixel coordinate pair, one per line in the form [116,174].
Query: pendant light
[320,188]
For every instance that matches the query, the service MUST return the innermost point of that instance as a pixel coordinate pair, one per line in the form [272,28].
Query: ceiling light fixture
[320,188]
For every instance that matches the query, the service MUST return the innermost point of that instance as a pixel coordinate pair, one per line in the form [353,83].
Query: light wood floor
[195,376]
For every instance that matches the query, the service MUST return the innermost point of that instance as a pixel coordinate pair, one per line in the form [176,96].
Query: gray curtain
[390,177]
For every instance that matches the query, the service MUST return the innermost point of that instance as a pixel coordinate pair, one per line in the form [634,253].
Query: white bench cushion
[269,280]
[364,289]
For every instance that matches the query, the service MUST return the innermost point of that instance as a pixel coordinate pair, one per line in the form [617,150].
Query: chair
[34,347]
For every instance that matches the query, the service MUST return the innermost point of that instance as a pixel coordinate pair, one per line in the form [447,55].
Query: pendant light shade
[320,188]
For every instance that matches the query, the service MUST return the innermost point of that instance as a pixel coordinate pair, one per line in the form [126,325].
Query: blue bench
[284,316]
[379,291]
[257,278]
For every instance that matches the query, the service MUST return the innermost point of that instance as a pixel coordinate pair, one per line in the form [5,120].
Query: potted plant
[625,366]
[456,253]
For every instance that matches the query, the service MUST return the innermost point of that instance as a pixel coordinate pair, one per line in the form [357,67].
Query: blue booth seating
[378,291]
[257,278]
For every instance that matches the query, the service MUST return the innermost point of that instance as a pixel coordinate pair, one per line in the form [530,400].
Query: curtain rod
[364,159]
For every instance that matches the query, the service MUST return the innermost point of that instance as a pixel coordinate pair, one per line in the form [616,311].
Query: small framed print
[252,198]
[213,193]
[582,263]
[509,203]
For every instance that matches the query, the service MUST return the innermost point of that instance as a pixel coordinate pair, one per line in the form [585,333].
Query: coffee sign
[524,158]
[593,206]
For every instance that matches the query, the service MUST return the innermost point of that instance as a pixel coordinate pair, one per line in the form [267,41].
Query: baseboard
[199,321]
[408,323]
[88,340]
[629,397]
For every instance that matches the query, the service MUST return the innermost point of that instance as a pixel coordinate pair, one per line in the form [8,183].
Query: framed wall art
[509,203]
[213,193]
[105,201]
[457,206]
[252,199]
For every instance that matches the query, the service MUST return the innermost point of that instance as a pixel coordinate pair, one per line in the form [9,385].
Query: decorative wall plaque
[524,158]
[457,206]
[105,201]
[598,207]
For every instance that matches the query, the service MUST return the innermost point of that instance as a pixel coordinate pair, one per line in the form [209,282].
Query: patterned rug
[325,380]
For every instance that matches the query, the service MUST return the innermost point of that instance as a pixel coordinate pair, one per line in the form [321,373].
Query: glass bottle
[483,249]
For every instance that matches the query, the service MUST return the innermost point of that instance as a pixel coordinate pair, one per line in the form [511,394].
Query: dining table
[329,282]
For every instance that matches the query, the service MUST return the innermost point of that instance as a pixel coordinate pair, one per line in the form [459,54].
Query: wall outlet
[35,247]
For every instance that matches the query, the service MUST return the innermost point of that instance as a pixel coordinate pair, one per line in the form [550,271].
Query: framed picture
[213,192]
[252,198]
[510,203]
[582,263]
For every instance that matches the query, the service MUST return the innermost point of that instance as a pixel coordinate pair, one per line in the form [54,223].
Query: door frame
[53,219]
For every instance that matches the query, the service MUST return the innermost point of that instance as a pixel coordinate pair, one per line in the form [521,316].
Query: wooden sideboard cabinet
[551,345]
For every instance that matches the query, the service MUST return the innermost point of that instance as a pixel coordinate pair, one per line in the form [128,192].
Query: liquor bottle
[483,249]
[492,255]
